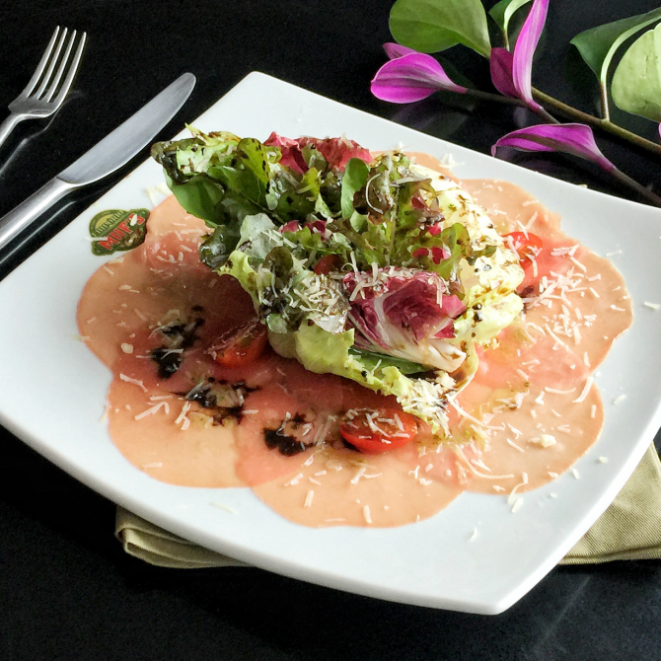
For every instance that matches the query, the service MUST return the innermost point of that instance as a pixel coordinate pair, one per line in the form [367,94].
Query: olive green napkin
[630,529]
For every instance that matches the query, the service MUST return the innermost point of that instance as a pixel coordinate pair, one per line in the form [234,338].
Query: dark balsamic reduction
[168,362]
[179,336]
[207,397]
[285,444]
[228,413]
[203,395]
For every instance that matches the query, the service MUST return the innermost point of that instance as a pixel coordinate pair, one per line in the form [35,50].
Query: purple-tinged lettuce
[511,73]
[410,77]
[575,139]
[406,314]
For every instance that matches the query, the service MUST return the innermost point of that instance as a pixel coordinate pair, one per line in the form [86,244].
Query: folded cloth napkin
[630,529]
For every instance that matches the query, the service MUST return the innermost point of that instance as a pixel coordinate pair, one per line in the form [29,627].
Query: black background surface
[67,591]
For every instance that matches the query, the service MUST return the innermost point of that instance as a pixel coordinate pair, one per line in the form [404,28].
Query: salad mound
[369,267]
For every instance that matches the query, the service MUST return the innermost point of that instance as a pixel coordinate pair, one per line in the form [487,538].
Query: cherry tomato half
[240,346]
[377,431]
[525,246]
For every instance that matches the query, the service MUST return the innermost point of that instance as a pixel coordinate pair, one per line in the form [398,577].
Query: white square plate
[432,563]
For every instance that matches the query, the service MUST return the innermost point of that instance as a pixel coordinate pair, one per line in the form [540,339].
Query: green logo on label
[115,230]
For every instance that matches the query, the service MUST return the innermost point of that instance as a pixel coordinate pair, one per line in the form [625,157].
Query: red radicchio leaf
[338,151]
[291,226]
[291,152]
[408,304]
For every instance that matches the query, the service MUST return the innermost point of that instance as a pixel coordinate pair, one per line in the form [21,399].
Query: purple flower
[411,77]
[501,63]
[393,50]
[511,73]
[576,139]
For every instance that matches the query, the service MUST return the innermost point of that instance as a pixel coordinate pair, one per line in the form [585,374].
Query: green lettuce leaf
[331,353]
[355,178]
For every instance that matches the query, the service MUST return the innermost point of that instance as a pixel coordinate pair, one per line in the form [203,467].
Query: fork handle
[29,210]
[8,125]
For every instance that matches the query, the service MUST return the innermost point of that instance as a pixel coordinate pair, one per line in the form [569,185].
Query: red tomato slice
[327,264]
[241,345]
[377,431]
[525,246]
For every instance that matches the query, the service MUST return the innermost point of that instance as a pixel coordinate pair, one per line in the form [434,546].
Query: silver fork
[46,91]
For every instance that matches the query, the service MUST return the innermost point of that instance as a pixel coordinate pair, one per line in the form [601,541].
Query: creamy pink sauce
[535,386]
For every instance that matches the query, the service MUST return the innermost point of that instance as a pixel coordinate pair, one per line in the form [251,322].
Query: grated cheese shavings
[135,382]
[152,410]
[585,391]
[367,514]
[518,504]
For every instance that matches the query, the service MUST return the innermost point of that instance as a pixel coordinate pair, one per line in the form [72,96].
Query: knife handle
[29,210]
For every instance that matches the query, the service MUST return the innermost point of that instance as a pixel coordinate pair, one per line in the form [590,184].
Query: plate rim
[174,522]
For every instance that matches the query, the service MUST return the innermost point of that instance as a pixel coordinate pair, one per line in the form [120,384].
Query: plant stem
[604,124]
[605,110]
[633,184]
[546,116]
[487,96]
[506,39]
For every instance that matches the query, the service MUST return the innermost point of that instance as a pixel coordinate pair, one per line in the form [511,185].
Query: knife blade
[107,156]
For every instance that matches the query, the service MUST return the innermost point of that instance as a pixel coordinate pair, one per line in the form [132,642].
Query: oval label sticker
[116,229]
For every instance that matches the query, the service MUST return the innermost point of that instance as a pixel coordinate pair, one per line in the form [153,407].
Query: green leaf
[457,239]
[636,86]
[258,237]
[430,26]
[358,222]
[280,262]
[216,249]
[200,196]
[355,178]
[372,360]
[597,46]
[503,12]
[254,156]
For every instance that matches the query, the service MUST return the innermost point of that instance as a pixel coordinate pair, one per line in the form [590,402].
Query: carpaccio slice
[531,410]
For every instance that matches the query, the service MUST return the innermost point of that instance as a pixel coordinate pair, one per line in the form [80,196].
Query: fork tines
[46,81]
[50,83]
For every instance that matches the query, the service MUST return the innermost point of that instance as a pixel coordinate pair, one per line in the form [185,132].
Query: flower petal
[500,63]
[524,50]
[411,78]
[575,139]
[393,50]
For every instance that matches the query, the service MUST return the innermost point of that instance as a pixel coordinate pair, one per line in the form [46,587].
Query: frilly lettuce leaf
[320,350]
[279,208]
[331,353]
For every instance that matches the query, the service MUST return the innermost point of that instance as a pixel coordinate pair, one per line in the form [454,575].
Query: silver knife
[115,150]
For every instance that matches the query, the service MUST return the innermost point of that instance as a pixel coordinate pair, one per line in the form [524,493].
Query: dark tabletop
[67,590]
